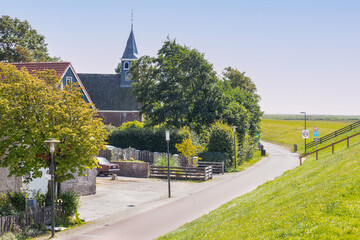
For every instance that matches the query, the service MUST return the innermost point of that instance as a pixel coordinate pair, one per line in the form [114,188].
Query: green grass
[288,132]
[319,200]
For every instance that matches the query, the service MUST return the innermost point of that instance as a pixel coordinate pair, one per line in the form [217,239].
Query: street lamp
[234,129]
[51,142]
[167,135]
[304,129]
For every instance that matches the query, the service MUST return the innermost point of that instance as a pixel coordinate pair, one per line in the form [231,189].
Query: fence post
[317,155]
[332,145]
[347,141]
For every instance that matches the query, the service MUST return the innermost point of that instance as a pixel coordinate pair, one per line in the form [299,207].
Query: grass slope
[288,132]
[319,200]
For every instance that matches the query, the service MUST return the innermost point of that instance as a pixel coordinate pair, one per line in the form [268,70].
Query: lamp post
[51,142]
[167,135]
[234,129]
[304,129]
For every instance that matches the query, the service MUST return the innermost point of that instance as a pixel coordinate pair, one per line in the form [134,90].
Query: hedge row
[146,139]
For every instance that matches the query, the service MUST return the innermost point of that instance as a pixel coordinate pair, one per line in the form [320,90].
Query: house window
[68,80]
[126,65]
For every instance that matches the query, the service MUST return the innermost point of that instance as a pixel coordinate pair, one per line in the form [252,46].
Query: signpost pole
[304,129]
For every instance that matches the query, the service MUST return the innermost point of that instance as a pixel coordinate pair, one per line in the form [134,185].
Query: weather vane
[132,19]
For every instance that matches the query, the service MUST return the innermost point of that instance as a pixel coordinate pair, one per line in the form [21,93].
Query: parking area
[121,196]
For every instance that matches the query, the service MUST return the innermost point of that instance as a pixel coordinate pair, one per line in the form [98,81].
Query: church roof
[106,93]
[130,49]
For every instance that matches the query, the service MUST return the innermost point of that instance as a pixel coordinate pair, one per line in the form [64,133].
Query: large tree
[33,110]
[177,88]
[19,42]
[243,108]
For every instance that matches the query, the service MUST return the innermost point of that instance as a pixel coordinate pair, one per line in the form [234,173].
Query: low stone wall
[8,184]
[133,169]
[85,185]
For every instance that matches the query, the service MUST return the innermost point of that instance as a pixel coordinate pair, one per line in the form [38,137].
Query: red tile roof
[59,67]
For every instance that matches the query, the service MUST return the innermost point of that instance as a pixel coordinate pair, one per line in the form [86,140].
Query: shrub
[221,139]
[146,138]
[187,149]
[8,236]
[69,206]
[162,161]
[214,157]
[132,125]
[17,200]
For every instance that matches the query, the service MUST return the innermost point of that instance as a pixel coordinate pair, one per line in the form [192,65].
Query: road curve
[158,221]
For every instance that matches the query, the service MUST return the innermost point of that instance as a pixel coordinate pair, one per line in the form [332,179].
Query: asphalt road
[173,213]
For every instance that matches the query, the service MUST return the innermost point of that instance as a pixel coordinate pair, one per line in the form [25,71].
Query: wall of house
[118,118]
[85,185]
[8,184]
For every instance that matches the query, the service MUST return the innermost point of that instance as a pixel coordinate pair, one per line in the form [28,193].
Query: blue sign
[316,133]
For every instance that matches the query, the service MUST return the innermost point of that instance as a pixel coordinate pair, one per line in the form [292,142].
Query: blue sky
[303,55]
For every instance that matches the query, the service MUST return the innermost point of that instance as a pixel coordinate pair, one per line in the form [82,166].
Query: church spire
[131,49]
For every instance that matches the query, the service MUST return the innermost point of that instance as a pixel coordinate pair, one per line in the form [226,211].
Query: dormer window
[68,80]
[126,65]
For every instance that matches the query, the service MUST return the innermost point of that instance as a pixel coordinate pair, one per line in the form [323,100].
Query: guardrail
[188,173]
[334,134]
[330,145]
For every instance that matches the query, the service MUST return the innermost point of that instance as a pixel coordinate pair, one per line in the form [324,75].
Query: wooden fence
[217,167]
[41,215]
[188,173]
[330,145]
[334,134]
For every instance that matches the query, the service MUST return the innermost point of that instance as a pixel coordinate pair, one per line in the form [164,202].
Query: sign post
[316,135]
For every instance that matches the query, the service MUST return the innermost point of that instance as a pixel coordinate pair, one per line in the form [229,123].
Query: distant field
[288,132]
[312,117]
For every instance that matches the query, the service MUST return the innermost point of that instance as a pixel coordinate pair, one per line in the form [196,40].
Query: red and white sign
[316,128]
[305,133]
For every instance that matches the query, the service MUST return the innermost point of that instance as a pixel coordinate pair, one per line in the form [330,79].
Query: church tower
[130,54]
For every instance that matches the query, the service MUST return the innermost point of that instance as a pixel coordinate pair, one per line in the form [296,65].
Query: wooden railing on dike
[334,134]
[188,173]
[330,145]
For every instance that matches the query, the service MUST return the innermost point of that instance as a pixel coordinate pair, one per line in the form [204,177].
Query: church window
[126,65]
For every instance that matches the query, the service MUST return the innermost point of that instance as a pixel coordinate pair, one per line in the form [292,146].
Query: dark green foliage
[221,139]
[17,200]
[177,88]
[12,203]
[146,138]
[69,205]
[214,157]
[19,42]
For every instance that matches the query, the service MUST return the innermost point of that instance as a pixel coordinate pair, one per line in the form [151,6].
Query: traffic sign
[316,128]
[316,133]
[305,133]
[316,139]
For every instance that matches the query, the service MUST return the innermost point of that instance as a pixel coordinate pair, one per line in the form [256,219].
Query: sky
[303,55]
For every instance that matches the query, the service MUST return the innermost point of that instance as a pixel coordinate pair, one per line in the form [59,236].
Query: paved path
[167,215]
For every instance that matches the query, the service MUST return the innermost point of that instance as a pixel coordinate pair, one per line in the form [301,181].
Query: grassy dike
[319,200]
[288,132]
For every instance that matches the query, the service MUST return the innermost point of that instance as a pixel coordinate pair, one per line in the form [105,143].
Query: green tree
[19,42]
[221,140]
[243,109]
[177,88]
[32,111]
